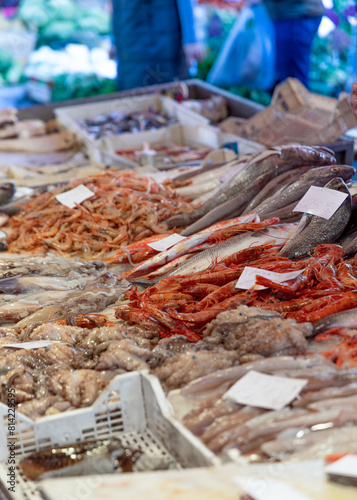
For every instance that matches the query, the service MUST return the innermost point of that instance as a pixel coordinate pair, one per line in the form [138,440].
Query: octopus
[178,370]
[124,354]
[254,333]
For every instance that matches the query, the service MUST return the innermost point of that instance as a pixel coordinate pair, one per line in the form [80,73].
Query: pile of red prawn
[125,208]
[184,305]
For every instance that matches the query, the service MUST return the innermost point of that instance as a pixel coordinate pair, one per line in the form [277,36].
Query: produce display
[199,276]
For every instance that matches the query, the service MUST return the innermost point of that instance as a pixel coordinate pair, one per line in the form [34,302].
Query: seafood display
[124,208]
[94,289]
[120,122]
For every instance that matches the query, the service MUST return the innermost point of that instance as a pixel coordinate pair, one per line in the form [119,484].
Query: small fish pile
[124,209]
[320,421]
[120,122]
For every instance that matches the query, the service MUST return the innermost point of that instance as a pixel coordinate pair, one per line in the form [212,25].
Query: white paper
[166,243]
[249,274]
[265,391]
[261,489]
[320,201]
[75,195]
[346,466]
[35,344]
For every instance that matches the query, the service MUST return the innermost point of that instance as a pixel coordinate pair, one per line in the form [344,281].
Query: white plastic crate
[68,116]
[133,408]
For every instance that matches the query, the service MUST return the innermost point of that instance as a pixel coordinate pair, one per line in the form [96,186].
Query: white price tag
[346,466]
[320,201]
[36,344]
[75,195]
[265,391]
[166,243]
[261,489]
[249,274]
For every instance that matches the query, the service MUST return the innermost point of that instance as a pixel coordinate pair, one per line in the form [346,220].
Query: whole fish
[203,386]
[344,319]
[7,191]
[348,241]
[231,208]
[180,248]
[275,185]
[50,265]
[307,445]
[314,230]
[315,177]
[265,166]
[31,284]
[277,234]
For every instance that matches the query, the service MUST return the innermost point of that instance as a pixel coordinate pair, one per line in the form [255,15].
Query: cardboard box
[296,116]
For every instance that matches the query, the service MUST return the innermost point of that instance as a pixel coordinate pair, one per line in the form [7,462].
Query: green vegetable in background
[95,20]
[60,30]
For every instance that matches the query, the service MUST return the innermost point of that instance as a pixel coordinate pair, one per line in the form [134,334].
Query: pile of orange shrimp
[125,208]
[184,305]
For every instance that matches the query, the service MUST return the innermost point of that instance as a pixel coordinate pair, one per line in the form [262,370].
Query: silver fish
[7,191]
[313,230]
[275,185]
[292,193]
[344,319]
[277,234]
[264,166]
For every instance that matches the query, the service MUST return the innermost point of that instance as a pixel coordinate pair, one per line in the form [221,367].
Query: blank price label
[322,202]
[265,391]
[75,195]
[249,274]
[166,243]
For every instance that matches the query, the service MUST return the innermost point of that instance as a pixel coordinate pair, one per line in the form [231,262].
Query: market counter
[306,478]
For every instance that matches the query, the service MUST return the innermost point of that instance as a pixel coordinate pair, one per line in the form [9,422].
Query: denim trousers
[293,47]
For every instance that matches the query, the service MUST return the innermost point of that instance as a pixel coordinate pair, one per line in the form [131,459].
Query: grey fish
[275,185]
[7,191]
[285,214]
[348,241]
[265,166]
[292,193]
[344,319]
[313,230]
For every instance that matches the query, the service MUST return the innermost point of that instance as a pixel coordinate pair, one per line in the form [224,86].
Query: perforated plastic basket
[133,408]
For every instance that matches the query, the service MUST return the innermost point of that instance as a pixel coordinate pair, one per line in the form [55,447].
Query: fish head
[345,172]
[338,184]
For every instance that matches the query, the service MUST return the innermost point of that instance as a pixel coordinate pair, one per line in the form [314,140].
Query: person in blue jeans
[155,41]
[296,23]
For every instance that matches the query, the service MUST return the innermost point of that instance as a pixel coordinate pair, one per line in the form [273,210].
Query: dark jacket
[288,9]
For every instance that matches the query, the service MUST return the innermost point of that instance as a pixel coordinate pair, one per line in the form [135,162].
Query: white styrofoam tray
[133,408]
[195,136]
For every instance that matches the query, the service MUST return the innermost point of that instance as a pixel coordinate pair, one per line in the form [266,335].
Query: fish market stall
[194,322]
